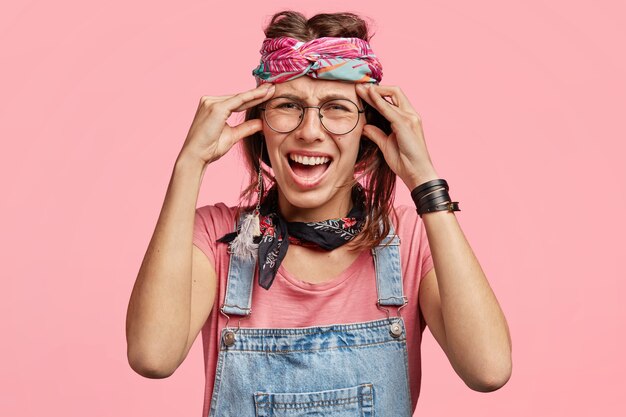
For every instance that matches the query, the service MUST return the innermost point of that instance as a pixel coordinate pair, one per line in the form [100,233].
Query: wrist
[416,179]
[188,162]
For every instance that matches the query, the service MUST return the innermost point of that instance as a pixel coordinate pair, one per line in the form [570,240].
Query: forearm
[158,317]
[477,336]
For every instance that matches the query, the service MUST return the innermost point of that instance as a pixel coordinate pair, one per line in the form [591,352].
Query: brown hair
[378,180]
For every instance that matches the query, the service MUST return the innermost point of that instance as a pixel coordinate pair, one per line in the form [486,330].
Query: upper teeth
[309,160]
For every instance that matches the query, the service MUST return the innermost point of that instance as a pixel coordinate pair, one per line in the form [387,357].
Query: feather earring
[243,245]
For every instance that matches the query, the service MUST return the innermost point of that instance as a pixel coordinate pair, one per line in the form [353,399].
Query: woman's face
[308,192]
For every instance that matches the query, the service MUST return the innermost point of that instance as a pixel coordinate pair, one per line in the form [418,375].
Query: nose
[310,128]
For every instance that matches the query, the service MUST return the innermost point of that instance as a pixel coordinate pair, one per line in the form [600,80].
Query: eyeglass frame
[319,114]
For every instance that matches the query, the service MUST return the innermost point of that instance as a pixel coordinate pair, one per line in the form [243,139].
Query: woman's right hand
[210,137]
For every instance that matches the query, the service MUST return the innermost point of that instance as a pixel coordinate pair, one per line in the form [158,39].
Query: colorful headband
[328,58]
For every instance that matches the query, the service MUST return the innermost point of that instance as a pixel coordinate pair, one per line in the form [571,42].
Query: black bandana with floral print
[277,234]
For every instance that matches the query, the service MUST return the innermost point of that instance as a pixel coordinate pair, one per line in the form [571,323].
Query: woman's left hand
[405,148]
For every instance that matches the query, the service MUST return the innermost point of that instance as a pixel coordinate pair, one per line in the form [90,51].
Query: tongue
[308,171]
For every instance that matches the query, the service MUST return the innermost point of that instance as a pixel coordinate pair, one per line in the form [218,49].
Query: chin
[314,204]
[311,199]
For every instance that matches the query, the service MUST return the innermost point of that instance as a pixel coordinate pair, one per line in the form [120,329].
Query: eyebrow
[331,96]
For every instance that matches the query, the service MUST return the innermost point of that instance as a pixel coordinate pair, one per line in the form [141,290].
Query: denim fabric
[388,271]
[355,401]
[338,370]
[238,290]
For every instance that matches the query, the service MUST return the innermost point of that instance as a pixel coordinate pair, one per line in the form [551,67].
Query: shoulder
[405,219]
[414,247]
[217,217]
[410,229]
[217,210]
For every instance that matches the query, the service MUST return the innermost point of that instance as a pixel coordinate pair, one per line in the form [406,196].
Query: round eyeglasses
[338,116]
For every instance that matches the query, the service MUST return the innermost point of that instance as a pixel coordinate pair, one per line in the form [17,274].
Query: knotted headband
[328,58]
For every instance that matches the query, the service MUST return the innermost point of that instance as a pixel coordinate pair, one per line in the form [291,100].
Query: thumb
[246,128]
[374,134]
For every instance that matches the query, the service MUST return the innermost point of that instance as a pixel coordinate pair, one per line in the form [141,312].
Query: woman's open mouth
[308,170]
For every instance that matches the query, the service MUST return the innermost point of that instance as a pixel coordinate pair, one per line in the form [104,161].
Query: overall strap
[239,284]
[240,281]
[388,271]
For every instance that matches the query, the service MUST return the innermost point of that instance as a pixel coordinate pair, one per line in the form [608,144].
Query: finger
[216,98]
[245,129]
[374,134]
[253,103]
[397,99]
[242,99]
[388,110]
[396,94]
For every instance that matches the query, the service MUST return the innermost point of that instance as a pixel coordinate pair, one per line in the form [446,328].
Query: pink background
[523,105]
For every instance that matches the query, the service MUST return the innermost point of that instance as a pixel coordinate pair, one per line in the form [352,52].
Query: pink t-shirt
[349,297]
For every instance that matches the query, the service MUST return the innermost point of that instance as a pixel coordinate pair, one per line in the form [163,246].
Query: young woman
[312,298]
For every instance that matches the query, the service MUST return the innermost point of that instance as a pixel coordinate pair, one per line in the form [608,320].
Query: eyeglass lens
[338,116]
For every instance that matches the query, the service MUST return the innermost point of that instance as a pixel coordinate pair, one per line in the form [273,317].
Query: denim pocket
[355,401]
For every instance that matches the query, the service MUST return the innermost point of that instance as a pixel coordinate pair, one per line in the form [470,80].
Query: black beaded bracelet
[433,196]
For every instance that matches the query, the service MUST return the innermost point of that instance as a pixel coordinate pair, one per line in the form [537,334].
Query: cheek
[271,142]
[351,150]
[272,147]
[349,144]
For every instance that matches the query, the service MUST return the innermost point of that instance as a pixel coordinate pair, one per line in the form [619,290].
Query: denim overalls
[338,370]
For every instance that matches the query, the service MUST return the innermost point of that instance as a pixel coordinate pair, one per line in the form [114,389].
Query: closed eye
[288,105]
[335,107]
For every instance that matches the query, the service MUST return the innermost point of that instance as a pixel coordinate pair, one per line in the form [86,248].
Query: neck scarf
[329,58]
[277,233]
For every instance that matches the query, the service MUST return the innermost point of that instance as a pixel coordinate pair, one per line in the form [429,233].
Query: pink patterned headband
[329,58]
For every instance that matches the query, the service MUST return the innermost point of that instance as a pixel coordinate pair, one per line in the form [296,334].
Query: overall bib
[338,370]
